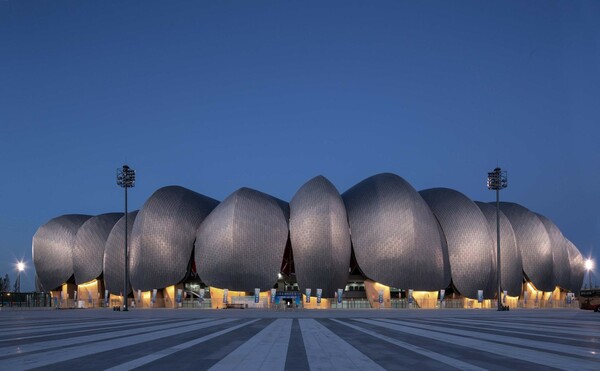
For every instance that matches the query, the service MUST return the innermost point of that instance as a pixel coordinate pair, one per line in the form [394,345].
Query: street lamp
[20,268]
[497,181]
[125,179]
[589,266]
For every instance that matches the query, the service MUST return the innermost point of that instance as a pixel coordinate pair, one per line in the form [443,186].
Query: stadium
[381,243]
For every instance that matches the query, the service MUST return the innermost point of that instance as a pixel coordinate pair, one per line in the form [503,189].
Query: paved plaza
[300,340]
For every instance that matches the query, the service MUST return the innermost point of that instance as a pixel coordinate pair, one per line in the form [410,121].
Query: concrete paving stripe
[515,330]
[266,350]
[166,352]
[41,346]
[327,351]
[40,328]
[542,345]
[77,330]
[41,359]
[413,348]
[561,329]
[517,352]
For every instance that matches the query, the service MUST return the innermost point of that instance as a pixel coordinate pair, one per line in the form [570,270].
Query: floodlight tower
[497,181]
[20,268]
[125,179]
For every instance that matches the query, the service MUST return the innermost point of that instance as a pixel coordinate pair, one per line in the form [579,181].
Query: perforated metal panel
[577,264]
[561,267]
[320,237]
[533,243]
[470,246]
[52,249]
[88,249]
[395,236]
[162,239]
[510,257]
[240,245]
[114,255]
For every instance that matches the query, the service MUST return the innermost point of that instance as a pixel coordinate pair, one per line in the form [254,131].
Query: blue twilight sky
[216,95]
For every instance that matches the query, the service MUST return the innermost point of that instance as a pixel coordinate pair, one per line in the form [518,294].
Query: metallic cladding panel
[52,249]
[561,266]
[470,245]
[512,265]
[577,264]
[320,237]
[114,255]
[88,249]
[162,239]
[240,245]
[395,236]
[533,243]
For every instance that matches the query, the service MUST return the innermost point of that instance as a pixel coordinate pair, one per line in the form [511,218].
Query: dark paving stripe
[296,354]
[111,358]
[478,358]
[203,356]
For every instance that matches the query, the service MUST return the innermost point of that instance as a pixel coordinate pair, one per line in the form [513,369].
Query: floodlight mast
[20,268]
[496,181]
[126,179]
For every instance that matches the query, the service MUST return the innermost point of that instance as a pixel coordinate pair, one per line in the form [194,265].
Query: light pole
[589,266]
[20,268]
[125,179]
[496,181]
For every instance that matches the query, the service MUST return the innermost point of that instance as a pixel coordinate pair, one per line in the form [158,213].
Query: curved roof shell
[533,243]
[240,245]
[114,255]
[470,246]
[52,249]
[561,267]
[88,249]
[162,239]
[320,237]
[577,264]
[395,236]
[510,257]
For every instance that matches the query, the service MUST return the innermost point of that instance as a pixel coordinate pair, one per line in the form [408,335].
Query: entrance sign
[273,294]
[479,296]
[380,296]
[340,292]
[256,295]
[153,300]
[442,294]
[319,293]
[308,291]
[178,297]
[410,296]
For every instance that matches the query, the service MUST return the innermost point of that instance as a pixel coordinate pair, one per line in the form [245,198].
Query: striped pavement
[324,340]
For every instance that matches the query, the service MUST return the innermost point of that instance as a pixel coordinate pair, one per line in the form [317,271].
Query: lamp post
[20,268]
[496,181]
[125,179]
[589,266]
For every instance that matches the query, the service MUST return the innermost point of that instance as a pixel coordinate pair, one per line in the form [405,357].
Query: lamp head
[20,266]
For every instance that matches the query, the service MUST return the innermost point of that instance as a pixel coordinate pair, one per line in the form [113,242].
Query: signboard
[308,291]
[225,293]
[442,294]
[504,295]
[178,297]
[273,294]
[569,297]
[75,295]
[340,293]
[480,296]
[153,300]
[139,296]
[319,293]
[410,296]
[256,295]
[380,296]
[89,297]
[106,298]
[202,293]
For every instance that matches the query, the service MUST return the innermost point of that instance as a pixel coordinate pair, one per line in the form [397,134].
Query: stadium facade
[379,241]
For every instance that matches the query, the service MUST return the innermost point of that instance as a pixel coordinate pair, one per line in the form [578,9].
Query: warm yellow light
[20,266]
[589,264]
